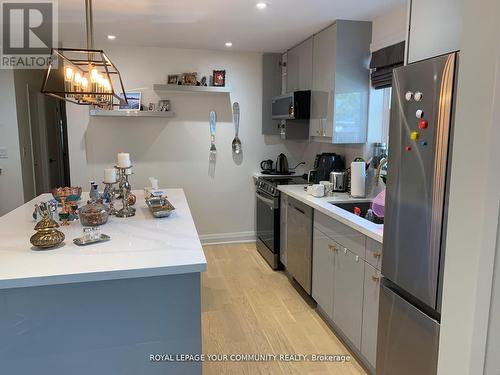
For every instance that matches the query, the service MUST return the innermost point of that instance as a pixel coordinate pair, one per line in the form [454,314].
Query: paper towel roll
[358,178]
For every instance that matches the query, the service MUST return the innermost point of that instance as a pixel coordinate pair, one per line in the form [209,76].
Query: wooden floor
[249,309]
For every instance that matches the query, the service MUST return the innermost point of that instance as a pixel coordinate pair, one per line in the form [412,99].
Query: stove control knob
[408,96]
[418,96]
[419,113]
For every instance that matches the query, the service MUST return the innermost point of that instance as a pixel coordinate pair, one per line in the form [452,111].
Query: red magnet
[408,148]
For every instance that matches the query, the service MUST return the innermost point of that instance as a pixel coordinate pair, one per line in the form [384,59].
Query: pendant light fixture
[90,77]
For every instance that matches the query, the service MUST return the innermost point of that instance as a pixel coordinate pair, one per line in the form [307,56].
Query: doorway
[42,136]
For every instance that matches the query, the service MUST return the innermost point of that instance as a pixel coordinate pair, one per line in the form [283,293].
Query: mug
[266,165]
[328,187]
[316,190]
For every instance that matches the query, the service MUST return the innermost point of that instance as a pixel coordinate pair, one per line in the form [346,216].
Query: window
[379,115]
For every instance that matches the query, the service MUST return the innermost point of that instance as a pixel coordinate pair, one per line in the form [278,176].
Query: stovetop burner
[269,184]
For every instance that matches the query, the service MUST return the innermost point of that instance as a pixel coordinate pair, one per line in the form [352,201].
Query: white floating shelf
[131,113]
[182,88]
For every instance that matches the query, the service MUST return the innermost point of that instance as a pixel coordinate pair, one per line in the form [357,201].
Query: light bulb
[93,75]
[78,79]
[68,74]
[85,83]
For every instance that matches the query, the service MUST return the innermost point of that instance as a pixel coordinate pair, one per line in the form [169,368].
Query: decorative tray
[160,206]
[82,241]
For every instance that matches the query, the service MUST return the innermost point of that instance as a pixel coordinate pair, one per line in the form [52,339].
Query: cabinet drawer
[341,233]
[374,253]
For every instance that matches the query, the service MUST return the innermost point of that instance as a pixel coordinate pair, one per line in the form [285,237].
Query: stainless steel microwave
[293,106]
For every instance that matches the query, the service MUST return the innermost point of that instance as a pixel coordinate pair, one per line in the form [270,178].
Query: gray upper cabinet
[340,83]
[271,87]
[370,314]
[299,66]
[322,275]
[435,28]
[348,294]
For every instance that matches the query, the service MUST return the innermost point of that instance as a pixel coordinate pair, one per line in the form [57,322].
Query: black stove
[270,184]
[268,215]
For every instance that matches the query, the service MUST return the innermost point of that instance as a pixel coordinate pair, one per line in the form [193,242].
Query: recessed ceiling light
[261,5]
[111,37]
[228,44]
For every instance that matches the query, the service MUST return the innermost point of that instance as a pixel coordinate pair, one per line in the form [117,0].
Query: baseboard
[235,237]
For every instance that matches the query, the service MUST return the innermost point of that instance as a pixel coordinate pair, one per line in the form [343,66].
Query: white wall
[473,209]
[11,183]
[389,28]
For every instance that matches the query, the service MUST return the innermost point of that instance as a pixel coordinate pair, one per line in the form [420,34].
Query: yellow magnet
[414,136]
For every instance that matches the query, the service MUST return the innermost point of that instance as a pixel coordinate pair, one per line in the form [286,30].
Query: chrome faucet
[381,164]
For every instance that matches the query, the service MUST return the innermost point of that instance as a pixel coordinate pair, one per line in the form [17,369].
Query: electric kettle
[282,164]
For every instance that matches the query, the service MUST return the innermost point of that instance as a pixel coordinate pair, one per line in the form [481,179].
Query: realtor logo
[29,31]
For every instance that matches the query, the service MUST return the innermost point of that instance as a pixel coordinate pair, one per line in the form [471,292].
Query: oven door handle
[268,201]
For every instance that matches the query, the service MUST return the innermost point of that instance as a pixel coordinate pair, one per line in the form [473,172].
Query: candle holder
[125,193]
[108,196]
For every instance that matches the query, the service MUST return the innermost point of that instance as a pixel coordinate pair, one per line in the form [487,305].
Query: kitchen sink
[363,206]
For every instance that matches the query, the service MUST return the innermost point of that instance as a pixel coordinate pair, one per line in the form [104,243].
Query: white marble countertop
[140,246]
[372,230]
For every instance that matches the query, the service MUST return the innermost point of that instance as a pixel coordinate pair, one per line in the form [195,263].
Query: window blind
[383,62]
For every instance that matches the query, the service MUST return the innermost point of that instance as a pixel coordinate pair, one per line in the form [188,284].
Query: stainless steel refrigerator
[415,216]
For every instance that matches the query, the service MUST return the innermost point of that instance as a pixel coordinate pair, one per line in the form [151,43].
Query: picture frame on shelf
[173,79]
[189,79]
[134,101]
[164,105]
[152,107]
[219,78]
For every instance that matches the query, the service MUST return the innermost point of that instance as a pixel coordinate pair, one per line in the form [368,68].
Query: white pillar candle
[123,159]
[110,175]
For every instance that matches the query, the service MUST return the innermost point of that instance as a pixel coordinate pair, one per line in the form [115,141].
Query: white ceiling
[210,23]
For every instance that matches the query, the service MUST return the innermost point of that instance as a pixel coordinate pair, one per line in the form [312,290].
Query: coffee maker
[324,164]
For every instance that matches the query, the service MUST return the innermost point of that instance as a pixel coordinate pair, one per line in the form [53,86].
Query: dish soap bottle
[369,215]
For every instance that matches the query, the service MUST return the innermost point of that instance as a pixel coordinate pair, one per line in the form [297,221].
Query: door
[419,137]
[348,294]
[323,271]
[283,227]
[267,219]
[47,121]
[370,314]
[407,338]
[323,83]
[299,66]
[299,242]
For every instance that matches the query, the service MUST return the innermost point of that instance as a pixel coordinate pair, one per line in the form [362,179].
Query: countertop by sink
[323,205]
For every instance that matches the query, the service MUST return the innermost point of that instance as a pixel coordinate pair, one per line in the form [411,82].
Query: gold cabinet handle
[375,278]
[332,247]
[377,255]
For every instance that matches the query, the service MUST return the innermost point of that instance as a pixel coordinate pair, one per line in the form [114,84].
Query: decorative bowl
[71,194]
[94,214]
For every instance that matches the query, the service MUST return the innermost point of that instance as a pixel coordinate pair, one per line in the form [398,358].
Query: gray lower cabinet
[370,314]
[348,294]
[346,283]
[323,275]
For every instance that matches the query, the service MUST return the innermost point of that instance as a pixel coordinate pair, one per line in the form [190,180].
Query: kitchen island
[104,308]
